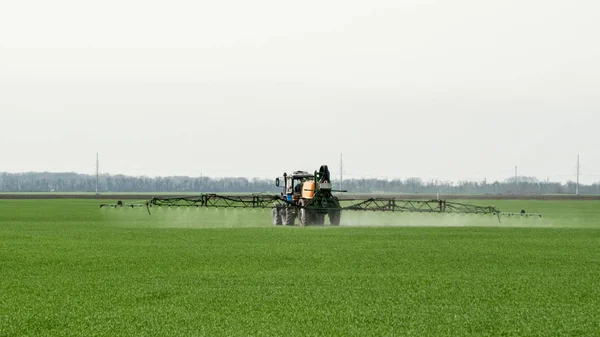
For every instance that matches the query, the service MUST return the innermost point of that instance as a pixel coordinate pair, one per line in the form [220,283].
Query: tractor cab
[294,184]
[302,184]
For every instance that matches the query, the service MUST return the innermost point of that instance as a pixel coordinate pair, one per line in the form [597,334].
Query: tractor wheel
[287,215]
[306,217]
[335,217]
[319,218]
[303,214]
[276,216]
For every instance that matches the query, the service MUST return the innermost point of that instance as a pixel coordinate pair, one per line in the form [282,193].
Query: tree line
[74,182]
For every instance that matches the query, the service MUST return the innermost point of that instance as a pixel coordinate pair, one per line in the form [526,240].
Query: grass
[70,269]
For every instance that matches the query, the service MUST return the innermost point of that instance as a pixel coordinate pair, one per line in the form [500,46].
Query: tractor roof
[301,174]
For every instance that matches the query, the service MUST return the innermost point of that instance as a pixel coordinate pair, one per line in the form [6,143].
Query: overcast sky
[445,90]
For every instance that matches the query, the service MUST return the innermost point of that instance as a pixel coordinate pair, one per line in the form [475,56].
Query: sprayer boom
[280,204]
[309,198]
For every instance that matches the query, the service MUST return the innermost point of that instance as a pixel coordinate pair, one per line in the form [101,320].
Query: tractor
[309,198]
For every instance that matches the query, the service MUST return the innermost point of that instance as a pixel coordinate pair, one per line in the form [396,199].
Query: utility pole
[516,180]
[577,186]
[341,172]
[97,172]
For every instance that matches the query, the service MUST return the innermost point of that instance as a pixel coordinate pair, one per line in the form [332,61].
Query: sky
[445,90]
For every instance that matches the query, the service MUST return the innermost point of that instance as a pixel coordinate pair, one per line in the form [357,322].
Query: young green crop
[69,268]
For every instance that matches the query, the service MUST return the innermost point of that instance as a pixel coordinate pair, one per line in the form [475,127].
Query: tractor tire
[305,217]
[276,216]
[319,218]
[335,217]
[288,215]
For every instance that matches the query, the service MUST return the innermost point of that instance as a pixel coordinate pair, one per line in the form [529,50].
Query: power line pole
[577,186]
[97,172]
[516,180]
[341,172]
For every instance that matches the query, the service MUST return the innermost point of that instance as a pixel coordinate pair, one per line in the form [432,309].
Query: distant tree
[73,182]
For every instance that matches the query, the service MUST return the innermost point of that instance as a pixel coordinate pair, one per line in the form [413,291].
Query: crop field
[68,268]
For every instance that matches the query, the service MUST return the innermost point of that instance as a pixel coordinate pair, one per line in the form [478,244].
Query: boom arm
[219,201]
[352,204]
[428,206]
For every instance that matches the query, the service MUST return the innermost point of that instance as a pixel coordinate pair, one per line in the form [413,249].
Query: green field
[70,269]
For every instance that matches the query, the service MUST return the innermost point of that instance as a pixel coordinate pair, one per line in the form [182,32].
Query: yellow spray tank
[308,189]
